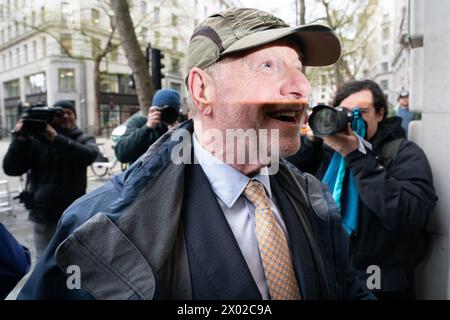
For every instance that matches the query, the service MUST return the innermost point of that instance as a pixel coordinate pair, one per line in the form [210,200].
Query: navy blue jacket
[128,237]
[14,262]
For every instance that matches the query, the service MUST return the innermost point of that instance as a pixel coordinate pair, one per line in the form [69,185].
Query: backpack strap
[389,151]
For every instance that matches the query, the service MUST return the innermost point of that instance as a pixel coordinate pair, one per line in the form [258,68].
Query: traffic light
[157,67]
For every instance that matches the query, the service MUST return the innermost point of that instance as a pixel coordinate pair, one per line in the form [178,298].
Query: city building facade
[391,49]
[48,48]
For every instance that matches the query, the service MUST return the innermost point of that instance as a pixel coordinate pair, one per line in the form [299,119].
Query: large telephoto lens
[326,120]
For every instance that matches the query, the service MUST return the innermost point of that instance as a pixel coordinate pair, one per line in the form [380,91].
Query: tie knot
[256,194]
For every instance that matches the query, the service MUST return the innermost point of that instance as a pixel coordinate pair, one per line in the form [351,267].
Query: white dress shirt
[228,185]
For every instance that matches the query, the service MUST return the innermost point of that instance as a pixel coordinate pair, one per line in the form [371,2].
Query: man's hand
[343,142]
[310,134]
[50,133]
[19,135]
[154,117]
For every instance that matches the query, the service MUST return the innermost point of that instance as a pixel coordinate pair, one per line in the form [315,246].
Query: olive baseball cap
[239,29]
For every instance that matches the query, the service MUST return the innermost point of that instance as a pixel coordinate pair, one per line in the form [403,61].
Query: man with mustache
[217,228]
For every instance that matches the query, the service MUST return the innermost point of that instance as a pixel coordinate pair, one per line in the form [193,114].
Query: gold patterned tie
[273,247]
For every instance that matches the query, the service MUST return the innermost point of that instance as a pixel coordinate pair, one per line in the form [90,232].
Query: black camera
[36,118]
[326,121]
[168,114]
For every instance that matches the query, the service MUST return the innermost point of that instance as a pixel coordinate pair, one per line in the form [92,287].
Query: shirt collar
[226,182]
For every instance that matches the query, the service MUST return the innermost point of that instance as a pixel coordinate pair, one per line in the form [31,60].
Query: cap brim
[318,43]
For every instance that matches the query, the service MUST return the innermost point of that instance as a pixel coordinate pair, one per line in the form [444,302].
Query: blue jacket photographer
[52,150]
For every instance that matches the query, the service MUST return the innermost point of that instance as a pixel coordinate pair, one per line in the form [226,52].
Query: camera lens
[326,120]
[169,115]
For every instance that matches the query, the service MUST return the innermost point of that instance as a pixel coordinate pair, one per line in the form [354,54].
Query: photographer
[143,131]
[384,188]
[56,159]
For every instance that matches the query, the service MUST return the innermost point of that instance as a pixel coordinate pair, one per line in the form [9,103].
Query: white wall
[433,99]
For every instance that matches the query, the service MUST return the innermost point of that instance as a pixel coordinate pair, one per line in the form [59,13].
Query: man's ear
[201,87]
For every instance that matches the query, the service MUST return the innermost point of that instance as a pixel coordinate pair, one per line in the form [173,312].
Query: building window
[11,89]
[109,83]
[66,11]
[124,84]
[16,28]
[115,83]
[25,53]
[95,16]
[66,79]
[66,43]
[44,46]
[385,49]
[143,7]
[386,17]
[110,116]
[384,84]
[385,33]
[143,34]
[18,56]
[156,13]
[96,47]
[157,38]
[175,65]
[174,43]
[35,83]
[34,49]
[385,67]
[9,33]
[174,20]
[4,61]
[42,14]
[33,19]
[205,11]
[2,37]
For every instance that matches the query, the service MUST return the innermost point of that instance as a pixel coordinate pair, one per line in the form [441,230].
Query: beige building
[34,67]
[391,49]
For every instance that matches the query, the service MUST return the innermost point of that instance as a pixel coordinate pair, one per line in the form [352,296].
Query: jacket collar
[389,129]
